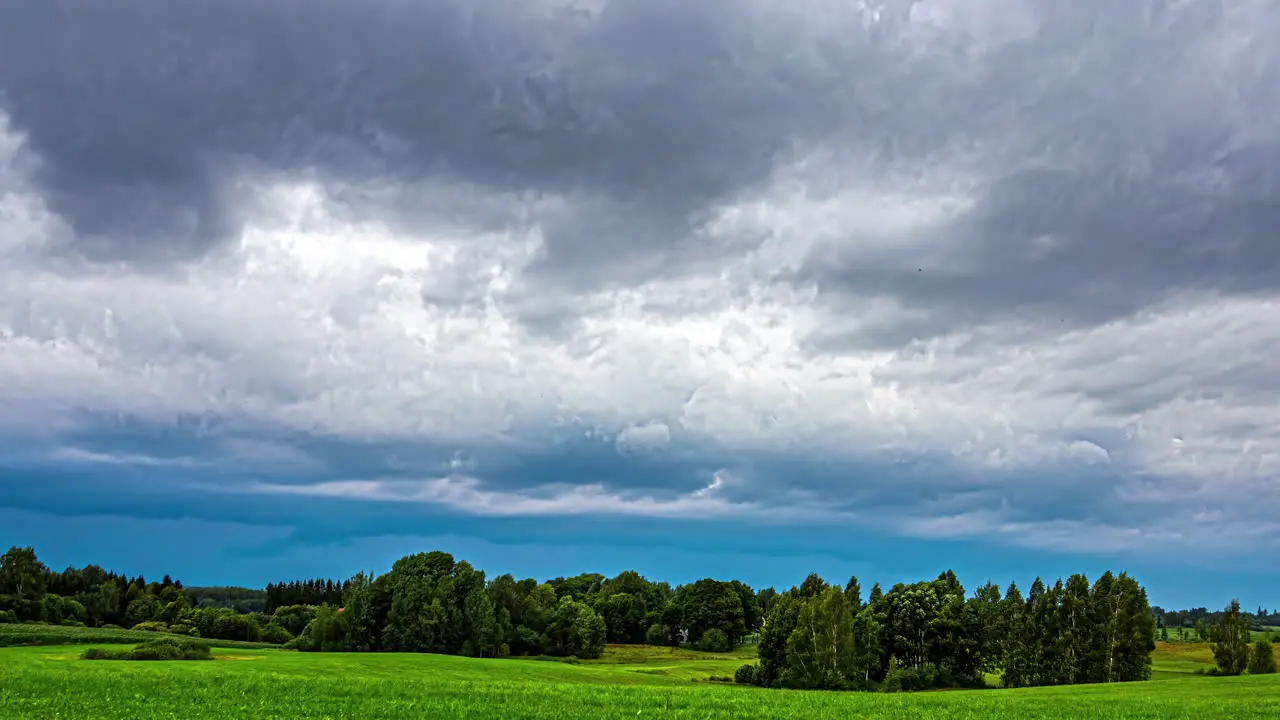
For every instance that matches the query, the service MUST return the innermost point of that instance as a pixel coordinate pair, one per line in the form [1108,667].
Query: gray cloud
[144,113]
[981,263]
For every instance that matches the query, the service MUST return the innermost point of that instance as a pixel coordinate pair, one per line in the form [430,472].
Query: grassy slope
[40,682]
[14,635]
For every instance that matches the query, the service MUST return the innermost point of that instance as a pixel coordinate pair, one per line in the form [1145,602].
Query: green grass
[51,682]
[15,635]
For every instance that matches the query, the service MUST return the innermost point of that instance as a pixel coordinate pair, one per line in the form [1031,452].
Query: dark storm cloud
[144,112]
[1129,153]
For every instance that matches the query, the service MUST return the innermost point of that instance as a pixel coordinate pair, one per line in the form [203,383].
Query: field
[51,682]
[15,635]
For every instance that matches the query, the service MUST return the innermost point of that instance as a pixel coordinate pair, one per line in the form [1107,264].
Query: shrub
[152,626]
[1262,660]
[904,679]
[504,650]
[657,635]
[273,633]
[746,675]
[7,617]
[161,649]
[715,640]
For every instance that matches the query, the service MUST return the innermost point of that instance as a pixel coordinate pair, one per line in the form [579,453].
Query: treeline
[918,635]
[429,602]
[1202,618]
[303,592]
[930,635]
[92,596]
[240,599]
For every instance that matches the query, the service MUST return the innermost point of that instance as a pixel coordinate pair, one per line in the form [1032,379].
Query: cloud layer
[997,268]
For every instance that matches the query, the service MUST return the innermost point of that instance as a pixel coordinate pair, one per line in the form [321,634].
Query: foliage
[171,648]
[1262,660]
[715,640]
[1231,641]
[820,652]
[274,634]
[294,618]
[745,675]
[328,632]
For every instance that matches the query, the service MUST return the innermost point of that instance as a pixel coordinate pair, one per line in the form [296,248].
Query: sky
[734,289]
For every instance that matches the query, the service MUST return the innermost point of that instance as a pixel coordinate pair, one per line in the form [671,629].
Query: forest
[816,635]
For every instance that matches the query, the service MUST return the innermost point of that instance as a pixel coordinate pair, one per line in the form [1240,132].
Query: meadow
[50,681]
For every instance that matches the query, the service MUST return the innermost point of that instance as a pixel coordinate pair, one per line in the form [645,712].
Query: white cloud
[468,495]
[643,438]
[317,320]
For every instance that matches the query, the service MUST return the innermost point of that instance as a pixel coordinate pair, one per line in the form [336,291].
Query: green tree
[575,630]
[866,645]
[812,586]
[326,633]
[820,650]
[1013,617]
[986,607]
[144,608]
[1231,641]
[705,604]
[22,583]
[778,626]
[853,594]
[1262,660]
[715,640]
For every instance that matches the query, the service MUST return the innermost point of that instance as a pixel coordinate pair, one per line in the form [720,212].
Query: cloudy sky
[743,288]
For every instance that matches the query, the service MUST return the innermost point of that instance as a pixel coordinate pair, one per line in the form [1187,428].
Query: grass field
[51,682]
[15,635]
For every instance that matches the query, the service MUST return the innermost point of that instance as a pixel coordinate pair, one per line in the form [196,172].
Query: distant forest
[926,634]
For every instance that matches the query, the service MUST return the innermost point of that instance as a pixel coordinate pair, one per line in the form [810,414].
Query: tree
[1013,613]
[1231,641]
[1262,661]
[820,650]
[22,583]
[772,649]
[707,604]
[986,605]
[715,640]
[144,608]
[853,594]
[812,586]
[866,645]
[326,633]
[575,630]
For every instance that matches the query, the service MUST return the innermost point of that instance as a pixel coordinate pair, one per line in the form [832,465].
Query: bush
[504,650]
[746,675]
[903,679]
[152,626]
[162,649]
[715,640]
[1262,660]
[657,635]
[273,633]
[7,617]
